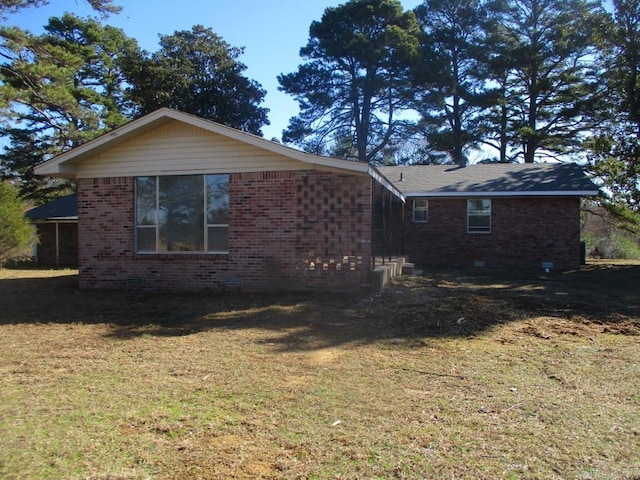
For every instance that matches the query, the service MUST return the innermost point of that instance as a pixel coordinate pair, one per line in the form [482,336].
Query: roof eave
[71,219]
[56,170]
[64,165]
[385,182]
[558,193]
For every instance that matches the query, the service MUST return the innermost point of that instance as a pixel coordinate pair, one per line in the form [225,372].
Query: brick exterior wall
[524,233]
[300,230]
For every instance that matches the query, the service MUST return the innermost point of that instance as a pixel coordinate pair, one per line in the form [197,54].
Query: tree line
[451,81]
[82,78]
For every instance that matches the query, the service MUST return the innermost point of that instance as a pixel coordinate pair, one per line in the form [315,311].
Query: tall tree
[453,95]
[554,81]
[24,150]
[12,6]
[199,73]
[615,150]
[58,90]
[498,117]
[355,80]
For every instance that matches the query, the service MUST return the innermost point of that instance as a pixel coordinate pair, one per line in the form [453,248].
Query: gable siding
[178,148]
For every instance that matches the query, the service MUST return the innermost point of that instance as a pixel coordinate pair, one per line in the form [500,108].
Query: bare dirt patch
[448,375]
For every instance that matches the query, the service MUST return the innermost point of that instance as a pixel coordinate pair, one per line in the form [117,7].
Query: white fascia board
[381,179]
[575,193]
[280,149]
[330,162]
[264,144]
[54,168]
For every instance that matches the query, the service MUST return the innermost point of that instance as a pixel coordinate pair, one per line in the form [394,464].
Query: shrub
[16,234]
[616,245]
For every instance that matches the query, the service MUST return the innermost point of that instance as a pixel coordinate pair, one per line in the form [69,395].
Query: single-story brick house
[495,215]
[56,225]
[174,201]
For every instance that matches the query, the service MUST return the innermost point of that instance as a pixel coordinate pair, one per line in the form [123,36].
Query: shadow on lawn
[440,303]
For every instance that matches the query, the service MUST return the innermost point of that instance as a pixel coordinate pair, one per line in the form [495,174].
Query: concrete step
[408,269]
[384,272]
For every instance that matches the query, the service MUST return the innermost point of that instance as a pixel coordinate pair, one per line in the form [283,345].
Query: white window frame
[473,212]
[424,208]
[156,225]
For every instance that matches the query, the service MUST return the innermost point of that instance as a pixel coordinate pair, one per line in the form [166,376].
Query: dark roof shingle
[491,179]
[60,208]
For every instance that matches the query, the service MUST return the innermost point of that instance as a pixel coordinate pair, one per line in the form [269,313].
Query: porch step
[383,273]
[408,269]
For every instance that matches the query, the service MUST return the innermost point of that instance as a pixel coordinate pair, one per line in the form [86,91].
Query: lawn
[450,375]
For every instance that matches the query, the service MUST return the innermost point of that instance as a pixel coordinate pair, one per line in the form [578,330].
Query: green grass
[541,380]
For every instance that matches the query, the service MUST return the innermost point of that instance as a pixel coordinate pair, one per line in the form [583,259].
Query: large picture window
[182,213]
[479,215]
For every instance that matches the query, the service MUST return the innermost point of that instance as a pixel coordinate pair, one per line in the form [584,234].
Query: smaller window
[421,210]
[479,216]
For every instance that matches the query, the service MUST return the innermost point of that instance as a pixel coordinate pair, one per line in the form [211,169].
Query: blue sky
[272,33]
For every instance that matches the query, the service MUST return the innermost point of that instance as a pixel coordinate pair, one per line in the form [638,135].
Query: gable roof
[63,208]
[65,165]
[497,179]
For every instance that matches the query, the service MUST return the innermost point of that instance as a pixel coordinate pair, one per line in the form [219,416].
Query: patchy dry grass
[449,375]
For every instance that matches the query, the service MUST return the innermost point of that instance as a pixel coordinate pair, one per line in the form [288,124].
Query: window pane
[181,213]
[479,206]
[217,199]
[172,213]
[479,223]
[479,215]
[146,239]
[217,239]
[419,215]
[146,201]
[420,210]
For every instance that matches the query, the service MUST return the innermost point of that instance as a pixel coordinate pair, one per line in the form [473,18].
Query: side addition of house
[56,225]
[523,216]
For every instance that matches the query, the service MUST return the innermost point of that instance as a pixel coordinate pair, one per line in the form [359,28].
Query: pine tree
[355,82]
[57,91]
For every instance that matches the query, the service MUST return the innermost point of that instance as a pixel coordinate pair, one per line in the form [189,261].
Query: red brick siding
[287,230]
[524,233]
